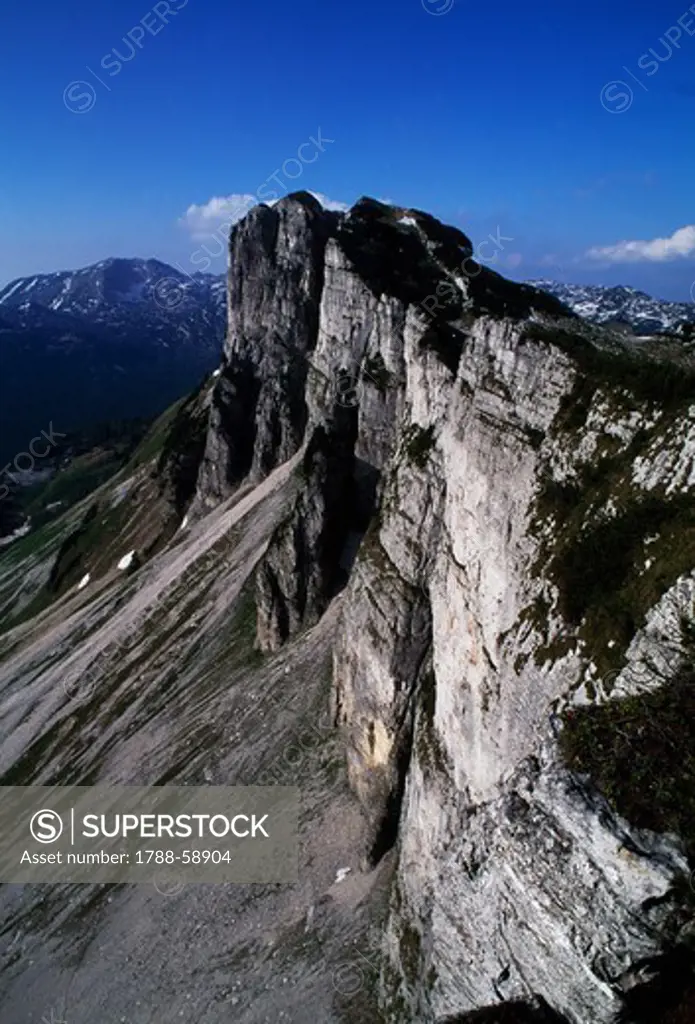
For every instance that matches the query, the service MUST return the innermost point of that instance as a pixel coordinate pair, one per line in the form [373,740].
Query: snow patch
[12,290]
[83,582]
[21,531]
[127,560]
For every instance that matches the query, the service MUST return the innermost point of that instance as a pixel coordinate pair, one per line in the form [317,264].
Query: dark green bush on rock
[511,1013]
[640,754]
[394,260]
[418,444]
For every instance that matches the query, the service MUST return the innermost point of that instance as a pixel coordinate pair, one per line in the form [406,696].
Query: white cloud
[658,250]
[331,204]
[204,220]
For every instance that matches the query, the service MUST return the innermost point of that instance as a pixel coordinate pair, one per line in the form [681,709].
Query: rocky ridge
[477,509]
[621,305]
[493,448]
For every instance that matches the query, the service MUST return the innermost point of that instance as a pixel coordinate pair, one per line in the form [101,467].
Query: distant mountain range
[125,337]
[621,305]
[122,338]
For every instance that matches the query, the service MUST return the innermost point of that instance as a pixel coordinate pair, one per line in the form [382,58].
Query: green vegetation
[535,437]
[430,753]
[640,753]
[597,560]
[575,405]
[183,447]
[375,370]
[594,567]
[496,296]
[669,997]
[450,245]
[141,520]
[446,342]
[71,485]
[82,463]
[154,440]
[597,556]
[419,442]
[410,951]
[69,558]
[392,259]
[38,542]
[510,1013]
[656,382]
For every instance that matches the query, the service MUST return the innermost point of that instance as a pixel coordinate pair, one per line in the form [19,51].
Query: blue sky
[549,123]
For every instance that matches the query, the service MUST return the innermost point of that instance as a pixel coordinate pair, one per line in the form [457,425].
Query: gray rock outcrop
[489,480]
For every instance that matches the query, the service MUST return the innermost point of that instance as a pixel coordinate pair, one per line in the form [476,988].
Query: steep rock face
[275,280]
[298,575]
[452,534]
[525,485]
[513,879]
[379,264]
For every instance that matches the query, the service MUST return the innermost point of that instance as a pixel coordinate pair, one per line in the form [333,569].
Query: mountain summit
[424,546]
[618,305]
[113,287]
[122,338]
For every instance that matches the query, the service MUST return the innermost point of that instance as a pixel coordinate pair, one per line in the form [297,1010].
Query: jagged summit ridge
[621,305]
[281,259]
[117,285]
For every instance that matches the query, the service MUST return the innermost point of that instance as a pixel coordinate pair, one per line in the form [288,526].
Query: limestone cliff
[503,495]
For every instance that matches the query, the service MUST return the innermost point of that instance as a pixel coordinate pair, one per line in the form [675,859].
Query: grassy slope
[112,508]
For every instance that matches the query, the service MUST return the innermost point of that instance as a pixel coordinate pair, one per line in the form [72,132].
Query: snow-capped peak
[621,304]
